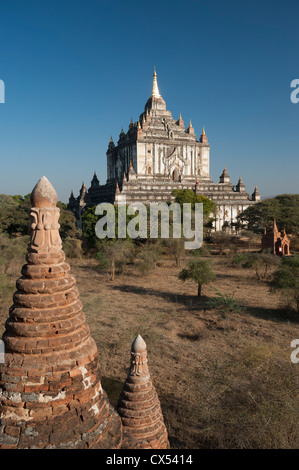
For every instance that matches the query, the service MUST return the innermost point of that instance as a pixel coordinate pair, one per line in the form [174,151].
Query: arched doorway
[175,175]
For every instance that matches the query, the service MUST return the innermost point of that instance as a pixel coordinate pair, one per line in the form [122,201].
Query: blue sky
[76,71]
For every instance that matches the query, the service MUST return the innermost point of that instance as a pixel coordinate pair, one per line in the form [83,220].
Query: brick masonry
[50,383]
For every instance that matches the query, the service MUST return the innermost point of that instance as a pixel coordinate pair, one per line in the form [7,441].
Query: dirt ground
[224,379]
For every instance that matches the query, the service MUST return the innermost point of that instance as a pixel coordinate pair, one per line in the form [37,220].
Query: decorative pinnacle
[138,345]
[155,90]
[203,131]
[43,194]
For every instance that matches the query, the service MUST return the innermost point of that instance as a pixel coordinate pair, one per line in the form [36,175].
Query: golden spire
[203,131]
[155,90]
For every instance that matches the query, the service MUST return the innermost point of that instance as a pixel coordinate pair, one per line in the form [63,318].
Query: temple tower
[139,405]
[50,388]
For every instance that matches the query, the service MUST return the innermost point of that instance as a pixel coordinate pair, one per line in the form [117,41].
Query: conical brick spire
[139,405]
[50,388]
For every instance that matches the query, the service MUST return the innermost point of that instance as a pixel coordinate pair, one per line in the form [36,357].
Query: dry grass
[223,380]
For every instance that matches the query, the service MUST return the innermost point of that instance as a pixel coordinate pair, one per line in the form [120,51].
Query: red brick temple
[277,242]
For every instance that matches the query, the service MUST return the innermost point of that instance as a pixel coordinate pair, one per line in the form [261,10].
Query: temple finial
[155,90]
[138,345]
[43,194]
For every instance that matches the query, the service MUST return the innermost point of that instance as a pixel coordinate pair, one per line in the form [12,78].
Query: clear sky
[76,71]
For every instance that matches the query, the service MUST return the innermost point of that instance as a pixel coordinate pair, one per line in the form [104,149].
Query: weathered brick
[51,391]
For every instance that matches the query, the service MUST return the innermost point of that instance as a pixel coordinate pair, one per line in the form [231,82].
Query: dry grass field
[224,377]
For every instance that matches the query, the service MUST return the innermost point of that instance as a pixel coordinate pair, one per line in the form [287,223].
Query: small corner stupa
[139,405]
[50,388]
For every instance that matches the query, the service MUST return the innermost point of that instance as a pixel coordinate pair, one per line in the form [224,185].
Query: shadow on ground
[196,303]
[112,388]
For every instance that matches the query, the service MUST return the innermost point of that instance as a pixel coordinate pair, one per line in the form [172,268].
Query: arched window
[149,170]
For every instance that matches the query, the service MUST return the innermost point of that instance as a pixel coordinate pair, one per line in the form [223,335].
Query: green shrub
[225,302]
[200,271]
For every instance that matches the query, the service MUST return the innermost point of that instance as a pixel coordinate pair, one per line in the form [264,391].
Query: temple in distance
[156,155]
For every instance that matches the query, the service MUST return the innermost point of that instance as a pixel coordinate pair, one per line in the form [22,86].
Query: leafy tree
[188,196]
[148,257]
[14,216]
[176,247]
[286,279]
[67,221]
[284,208]
[222,239]
[261,262]
[114,254]
[198,270]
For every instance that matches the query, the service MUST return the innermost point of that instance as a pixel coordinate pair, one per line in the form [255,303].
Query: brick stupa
[50,388]
[139,405]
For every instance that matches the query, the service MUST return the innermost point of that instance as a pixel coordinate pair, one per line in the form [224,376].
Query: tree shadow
[189,300]
[279,315]
[195,303]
